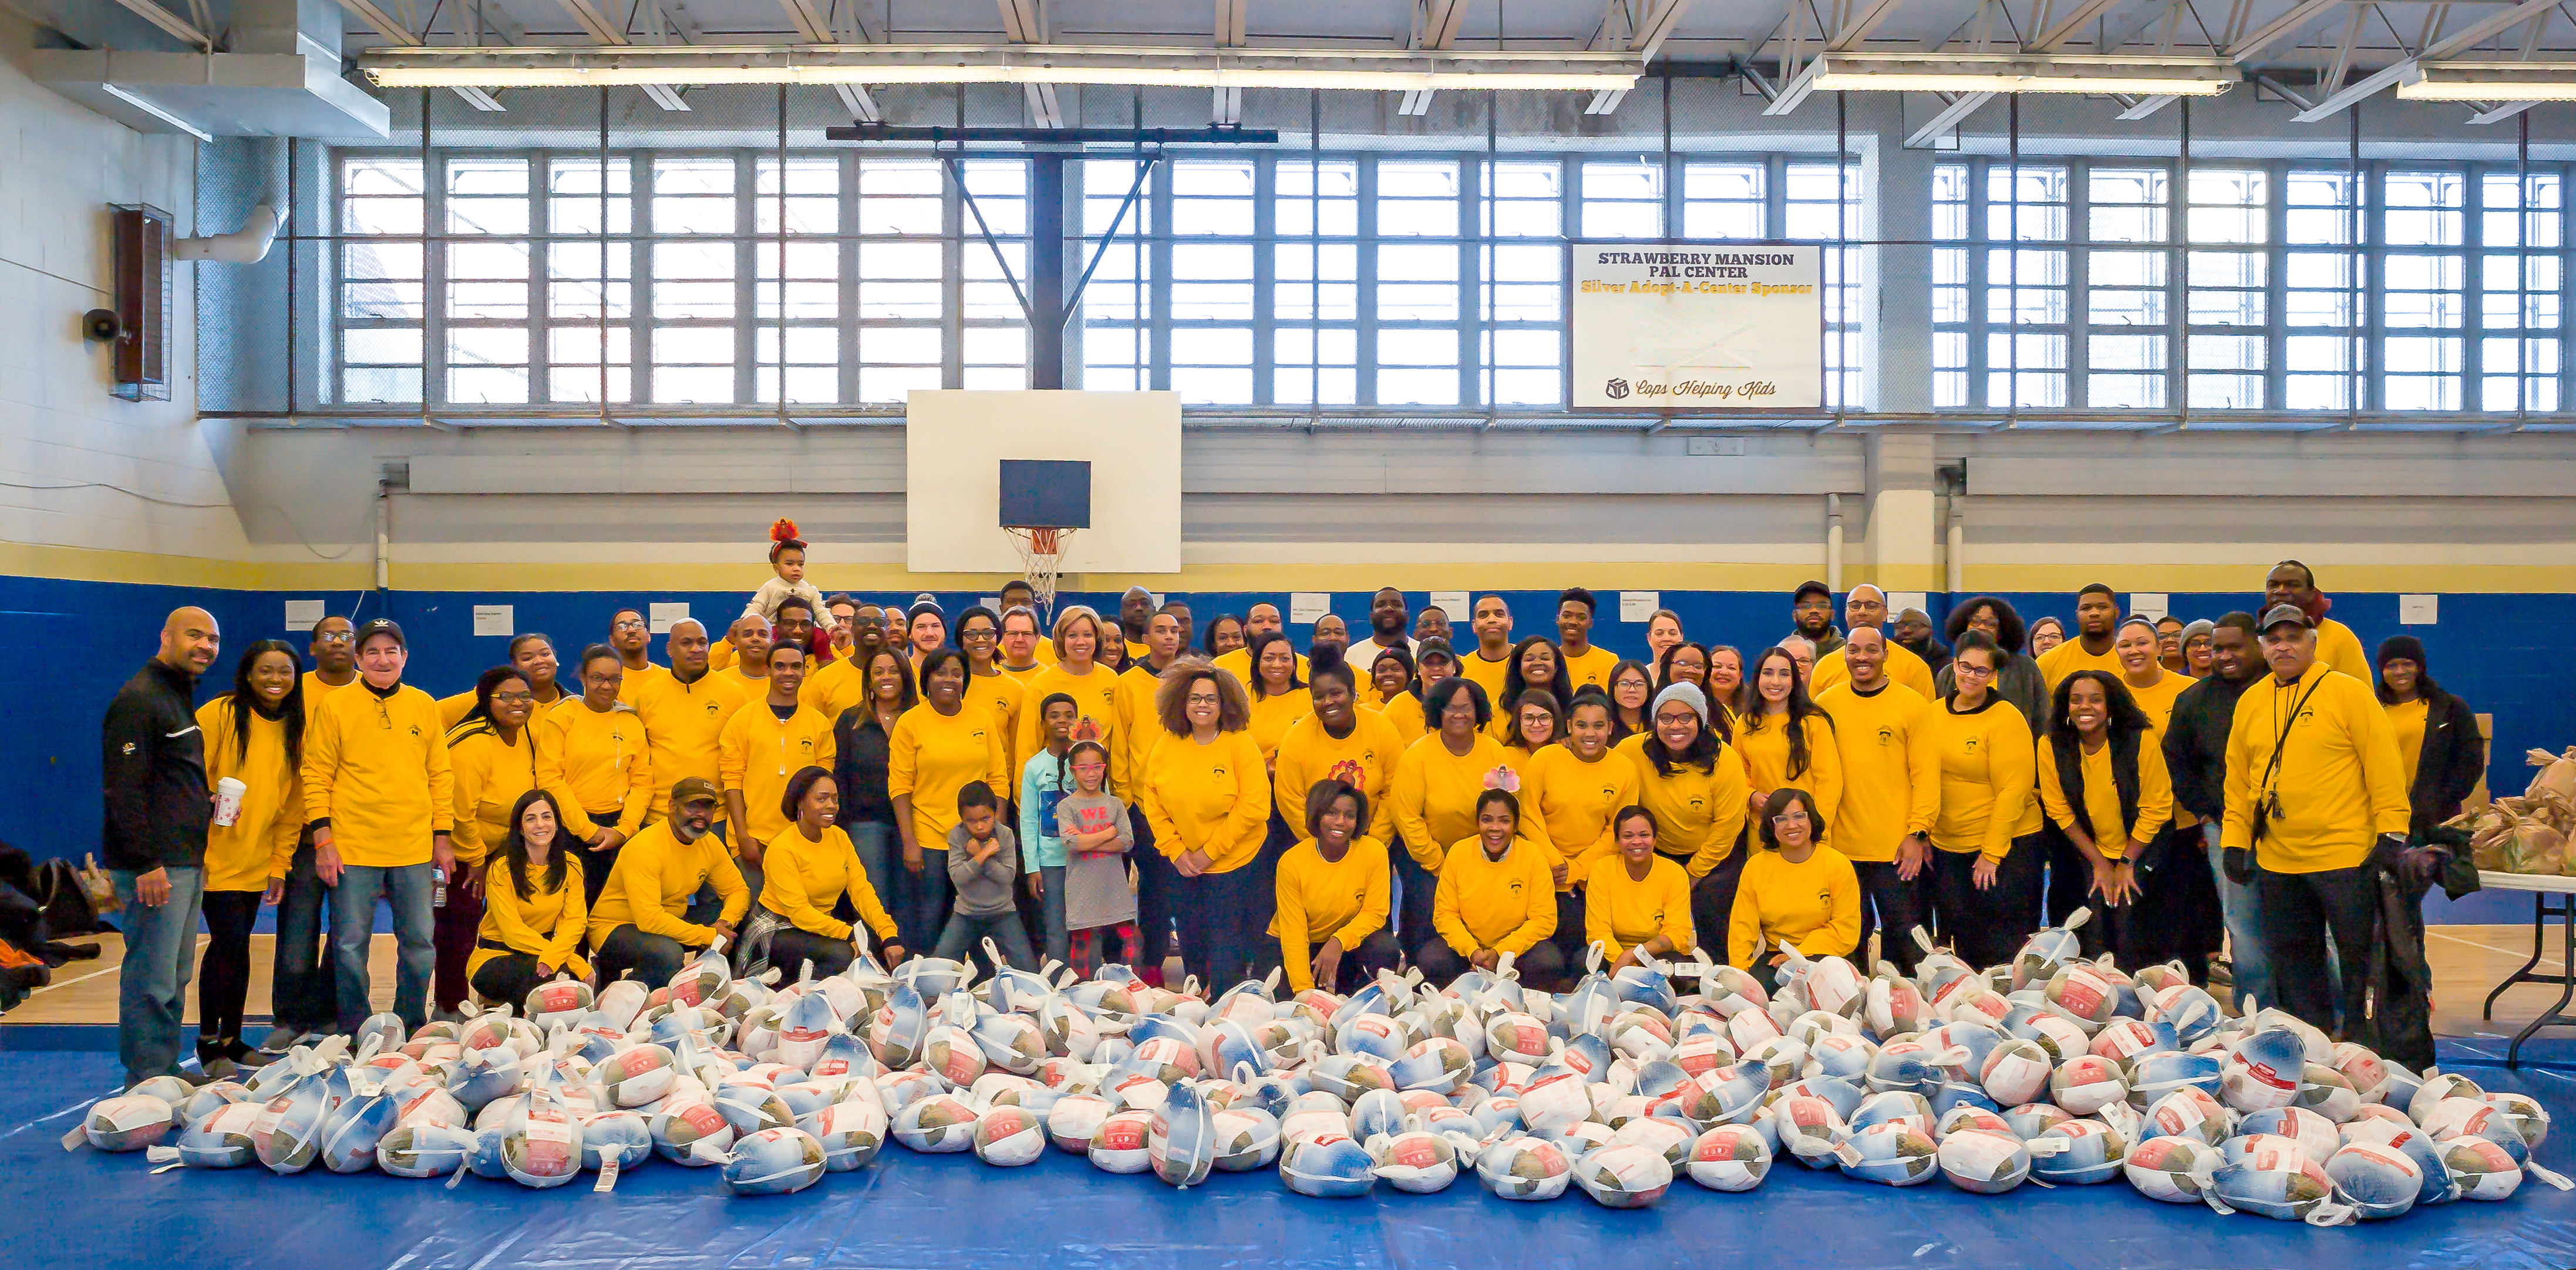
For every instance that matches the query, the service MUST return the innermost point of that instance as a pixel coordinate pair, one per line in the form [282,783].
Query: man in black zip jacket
[158,808]
[2196,756]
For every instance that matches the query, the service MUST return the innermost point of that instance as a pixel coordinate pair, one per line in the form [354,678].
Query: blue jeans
[1059,941]
[152,987]
[965,937]
[300,991]
[874,842]
[931,900]
[2245,957]
[405,890]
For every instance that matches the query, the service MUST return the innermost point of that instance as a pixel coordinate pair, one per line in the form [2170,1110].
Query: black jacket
[860,747]
[154,766]
[2454,757]
[2196,744]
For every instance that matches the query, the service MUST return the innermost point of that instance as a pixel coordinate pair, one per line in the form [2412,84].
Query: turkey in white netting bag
[776,1161]
[1730,1157]
[222,1140]
[1624,1176]
[1327,1166]
[427,1150]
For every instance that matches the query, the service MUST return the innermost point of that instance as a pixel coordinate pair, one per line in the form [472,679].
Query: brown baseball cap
[694,789]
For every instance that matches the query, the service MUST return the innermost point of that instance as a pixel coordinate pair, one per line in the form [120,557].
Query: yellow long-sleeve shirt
[2157,700]
[1003,698]
[315,693]
[633,681]
[2407,721]
[803,880]
[1592,669]
[1764,743]
[1508,905]
[655,878]
[1904,666]
[1987,775]
[548,924]
[1621,912]
[931,756]
[2339,781]
[1433,796]
[754,687]
[1367,758]
[1097,695]
[1698,815]
[452,710]
[1891,780]
[1138,726]
[1317,899]
[1239,664]
[2340,649]
[1273,717]
[2102,795]
[684,728]
[2069,657]
[1487,675]
[260,843]
[597,764]
[375,766]
[1574,801]
[1814,904]
[1403,712]
[491,776]
[1213,798]
[758,751]
[829,690]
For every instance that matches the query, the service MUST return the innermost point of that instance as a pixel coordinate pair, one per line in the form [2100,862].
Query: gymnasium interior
[499,316]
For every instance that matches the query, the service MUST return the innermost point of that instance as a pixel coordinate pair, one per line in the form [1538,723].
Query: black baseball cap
[382,626]
[1811,587]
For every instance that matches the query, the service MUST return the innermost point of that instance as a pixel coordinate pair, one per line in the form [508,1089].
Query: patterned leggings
[1087,946]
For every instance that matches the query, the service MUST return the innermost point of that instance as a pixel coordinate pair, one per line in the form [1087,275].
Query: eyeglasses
[336,637]
[626,624]
[1963,670]
[513,698]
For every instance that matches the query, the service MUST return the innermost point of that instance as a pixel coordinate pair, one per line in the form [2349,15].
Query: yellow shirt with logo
[2338,780]
[1813,906]
[684,726]
[1698,815]
[375,765]
[1316,900]
[758,751]
[1508,905]
[1308,754]
[1574,800]
[1434,795]
[260,842]
[1987,778]
[1621,912]
[931,756]
[491,776]
[1213,798]
[1891,778]
[597,764]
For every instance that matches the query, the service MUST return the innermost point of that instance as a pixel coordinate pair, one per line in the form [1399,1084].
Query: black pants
[1416,888]
[1359,966]
[303,988]
[1713,900]
[454,929]
[2070,881]
[1155,885]
[1892,907]
[790,949]
[1541,967]
[653,959]
[510,977]
[596,865]
[2298,910]
[1222,917]
[223,978]
[2176,908]
[1567,944]
[1987,927]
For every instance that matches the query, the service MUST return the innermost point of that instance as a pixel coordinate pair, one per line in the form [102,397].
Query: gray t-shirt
[983,890]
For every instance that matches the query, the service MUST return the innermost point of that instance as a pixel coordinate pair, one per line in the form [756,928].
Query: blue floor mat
[915,1212]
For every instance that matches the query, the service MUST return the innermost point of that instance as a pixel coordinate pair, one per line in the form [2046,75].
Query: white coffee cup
[228,801]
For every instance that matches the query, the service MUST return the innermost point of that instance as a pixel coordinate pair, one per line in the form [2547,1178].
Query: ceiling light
[2489,81]
[635,65]
[2023,73]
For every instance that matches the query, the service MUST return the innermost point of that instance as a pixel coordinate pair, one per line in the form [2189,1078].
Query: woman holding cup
[254,739]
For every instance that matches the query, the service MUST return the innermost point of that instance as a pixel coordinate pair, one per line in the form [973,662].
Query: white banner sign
[1698,326]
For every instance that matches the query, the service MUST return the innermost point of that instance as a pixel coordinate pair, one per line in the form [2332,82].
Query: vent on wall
[142,302]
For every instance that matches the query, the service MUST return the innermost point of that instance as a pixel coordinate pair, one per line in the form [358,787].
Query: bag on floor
[127,1122]
[1624,1176]
[774,1161]
[1730,1157]
[424,1150]
[219,1141]
[1328,1166]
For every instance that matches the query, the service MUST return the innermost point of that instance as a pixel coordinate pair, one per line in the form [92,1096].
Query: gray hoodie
[983,890]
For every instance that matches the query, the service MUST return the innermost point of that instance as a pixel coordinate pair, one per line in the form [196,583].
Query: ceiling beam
[1435,26]
[587,13]
[811,26]
[1025,22]
[2279,29]
[170,22]
[2469,37]
[2072,26]
[1948,121]
[373,16]
[1645,36]
[1225,105]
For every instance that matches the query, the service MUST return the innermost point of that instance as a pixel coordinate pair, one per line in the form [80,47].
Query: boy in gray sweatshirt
[983,867]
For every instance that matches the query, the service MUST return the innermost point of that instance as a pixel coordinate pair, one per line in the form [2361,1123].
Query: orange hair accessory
[783,537]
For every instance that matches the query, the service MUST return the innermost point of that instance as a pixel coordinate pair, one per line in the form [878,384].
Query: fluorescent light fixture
[637,65]
[2489,81]
[2023,73]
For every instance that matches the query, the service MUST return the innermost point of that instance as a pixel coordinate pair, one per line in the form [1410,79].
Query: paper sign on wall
[1637,606]
[2151,605]
[664,614]
[2419,610]
[302,614]
[1899,601]
[1460,609]
[495,619]
[1305,606]
[1697,326]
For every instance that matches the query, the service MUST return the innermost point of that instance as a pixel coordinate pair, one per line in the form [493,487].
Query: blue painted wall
[69,645]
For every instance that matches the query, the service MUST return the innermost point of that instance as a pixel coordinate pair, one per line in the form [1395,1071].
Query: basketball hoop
[1041,550]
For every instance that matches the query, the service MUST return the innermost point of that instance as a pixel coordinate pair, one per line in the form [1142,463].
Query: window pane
[693,195]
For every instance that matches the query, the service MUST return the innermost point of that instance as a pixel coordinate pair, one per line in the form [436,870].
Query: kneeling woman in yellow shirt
[1795,891]
[1637,902]
[1497,895]
[2103,779]
[533,910]
[1206,792]
[1330,930]
[811,865]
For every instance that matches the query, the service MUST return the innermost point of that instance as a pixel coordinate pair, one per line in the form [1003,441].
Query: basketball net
[1041,549]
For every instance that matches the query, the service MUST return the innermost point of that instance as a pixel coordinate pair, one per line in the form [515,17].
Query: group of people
[1116,788]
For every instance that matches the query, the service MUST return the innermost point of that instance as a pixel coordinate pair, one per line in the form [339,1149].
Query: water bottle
[438,888]
[1174,971]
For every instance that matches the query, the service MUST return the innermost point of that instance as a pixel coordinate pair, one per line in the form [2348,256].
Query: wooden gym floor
[2467,962]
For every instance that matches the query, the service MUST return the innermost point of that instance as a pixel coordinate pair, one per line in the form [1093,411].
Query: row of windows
[2279,287]
[496,279]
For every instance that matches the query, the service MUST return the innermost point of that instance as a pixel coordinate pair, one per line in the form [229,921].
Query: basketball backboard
[955,442]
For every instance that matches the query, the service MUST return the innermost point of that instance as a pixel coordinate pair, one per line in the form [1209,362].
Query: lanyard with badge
[2269,805]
